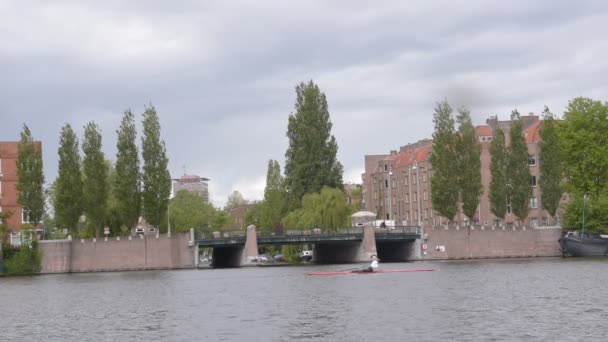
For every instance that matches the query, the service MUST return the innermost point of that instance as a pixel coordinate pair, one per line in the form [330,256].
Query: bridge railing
[397,230]
[311,232]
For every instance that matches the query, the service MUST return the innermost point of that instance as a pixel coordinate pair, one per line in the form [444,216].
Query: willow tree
[67,189]
[156,179]
[444,190]
[518,170]
[550,164]
[30,175]
[127,177]
[311,158]
[468,152]
[498,169]
[95,173]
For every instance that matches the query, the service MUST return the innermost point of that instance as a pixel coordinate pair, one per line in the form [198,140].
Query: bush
[26,260]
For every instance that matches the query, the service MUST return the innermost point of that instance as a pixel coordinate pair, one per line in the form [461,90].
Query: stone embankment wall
[469,243]
[138,253]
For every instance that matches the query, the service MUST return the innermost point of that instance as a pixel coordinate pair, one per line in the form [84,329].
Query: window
[16,239]
[415,196]
[533,203]
[489,138]
[415,181]
[425,195]
[25,216]
[533,222]
[416,215]
[407,198]
[405,180]
[385,167]
[424,176]
[386,183]
[533,180]
[531,160]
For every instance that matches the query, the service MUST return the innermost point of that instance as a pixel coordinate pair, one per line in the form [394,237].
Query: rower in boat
[373,266]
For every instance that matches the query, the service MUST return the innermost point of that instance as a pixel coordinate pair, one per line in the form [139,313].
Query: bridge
[356,244]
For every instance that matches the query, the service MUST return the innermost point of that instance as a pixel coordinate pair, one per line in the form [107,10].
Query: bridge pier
[251,245]
[347,251]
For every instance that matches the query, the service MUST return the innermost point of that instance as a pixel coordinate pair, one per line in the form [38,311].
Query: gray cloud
[222,74]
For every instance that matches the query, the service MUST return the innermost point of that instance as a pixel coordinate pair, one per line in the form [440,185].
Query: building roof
[532,133]
[483,130]
[409,155]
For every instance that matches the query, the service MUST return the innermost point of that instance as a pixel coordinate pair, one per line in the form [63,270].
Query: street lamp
[583,229]
[390,196]
[415,167]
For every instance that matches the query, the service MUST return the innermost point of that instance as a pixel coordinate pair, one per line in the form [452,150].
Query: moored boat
[584,245]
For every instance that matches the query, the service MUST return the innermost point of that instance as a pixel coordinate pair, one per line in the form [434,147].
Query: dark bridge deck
[309,236]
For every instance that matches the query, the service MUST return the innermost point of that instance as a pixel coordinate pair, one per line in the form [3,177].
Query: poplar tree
[468,153]
[311,161]
[127,178]
[550,164]
[518,171]
[498,194]
[444,188]
[30,177]
[68,196]
[156,179]
[95,172]
[274,207]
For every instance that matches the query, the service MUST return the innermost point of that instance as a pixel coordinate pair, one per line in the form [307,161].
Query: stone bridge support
[348,251]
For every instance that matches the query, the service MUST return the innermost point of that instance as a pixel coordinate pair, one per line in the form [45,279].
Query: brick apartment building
[397,186]
[8,188]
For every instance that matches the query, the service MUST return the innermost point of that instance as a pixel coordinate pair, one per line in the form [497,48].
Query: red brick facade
[397,186]
[8,183]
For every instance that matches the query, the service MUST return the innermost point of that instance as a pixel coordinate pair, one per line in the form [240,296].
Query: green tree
[127,181]
[311,161]
[274,207]
[30,177]
[468,152]
[68,196]
[188,210]
[235,200]
[156,179]
[253,214]
[584,140]
[518,171]
[327,209]
[498,170]
[356,196]
[550,163]
[95,171]
[444,190]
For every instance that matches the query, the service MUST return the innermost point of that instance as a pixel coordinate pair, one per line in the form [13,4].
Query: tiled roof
[532,133]
[408,156]
[483,130]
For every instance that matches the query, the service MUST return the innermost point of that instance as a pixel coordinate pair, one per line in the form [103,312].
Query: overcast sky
[222,74]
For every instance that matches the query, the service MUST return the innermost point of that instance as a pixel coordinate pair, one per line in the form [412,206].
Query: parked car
[139,231]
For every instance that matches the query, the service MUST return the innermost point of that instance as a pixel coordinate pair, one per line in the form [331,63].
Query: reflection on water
[484,300]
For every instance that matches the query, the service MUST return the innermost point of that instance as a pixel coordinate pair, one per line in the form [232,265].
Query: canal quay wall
[490,242]
[151,252]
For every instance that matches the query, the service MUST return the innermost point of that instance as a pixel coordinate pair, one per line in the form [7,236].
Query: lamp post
[583,228]
[390,196]
[415,167]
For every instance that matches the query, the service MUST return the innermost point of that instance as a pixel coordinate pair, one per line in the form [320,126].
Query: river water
[550,299]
